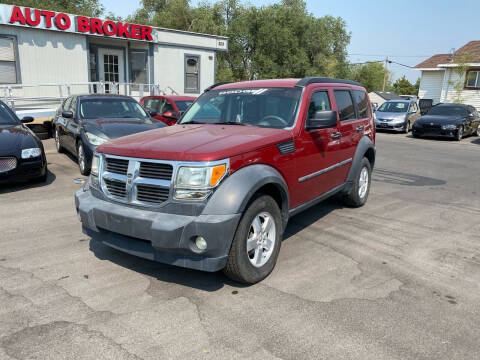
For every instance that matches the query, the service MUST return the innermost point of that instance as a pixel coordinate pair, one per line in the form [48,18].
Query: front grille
[429,126]
[156,171]
[117,166]
[116,188]
[7,164]
[152,194]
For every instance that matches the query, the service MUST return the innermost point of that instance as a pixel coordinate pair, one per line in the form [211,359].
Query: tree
[91,8]
[370,75]
[462,61]
[404,87]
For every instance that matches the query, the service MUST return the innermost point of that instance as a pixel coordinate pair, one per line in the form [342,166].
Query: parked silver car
[397,115]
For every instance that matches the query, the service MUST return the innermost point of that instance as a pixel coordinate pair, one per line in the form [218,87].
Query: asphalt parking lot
[396,279]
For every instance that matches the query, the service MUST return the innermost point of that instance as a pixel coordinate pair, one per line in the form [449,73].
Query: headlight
[195,183]
[95,165]
[31,153]
[449,127]
[94,139]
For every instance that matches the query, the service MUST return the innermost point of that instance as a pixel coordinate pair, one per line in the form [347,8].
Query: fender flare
[365,145]
[235,193]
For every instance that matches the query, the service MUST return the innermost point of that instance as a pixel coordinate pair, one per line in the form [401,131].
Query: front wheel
[257,242]
[57,141]
[477,132]
[82,160]
[459,135]
[361,187]
[406,128]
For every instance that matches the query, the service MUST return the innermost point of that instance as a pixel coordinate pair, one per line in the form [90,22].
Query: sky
[407,31]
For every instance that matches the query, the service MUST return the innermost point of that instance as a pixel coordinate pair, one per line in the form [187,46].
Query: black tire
[353,198]
[239,267]
[406,128]
[42,178]
[415,135]
[81,160]
[56,136]
[477,132]
[459,134]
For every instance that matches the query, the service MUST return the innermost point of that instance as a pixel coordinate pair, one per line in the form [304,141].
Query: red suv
[167,108]
[216,190]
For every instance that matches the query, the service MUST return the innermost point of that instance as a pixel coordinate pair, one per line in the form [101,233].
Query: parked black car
[21,152]
[451,120]
[85,121]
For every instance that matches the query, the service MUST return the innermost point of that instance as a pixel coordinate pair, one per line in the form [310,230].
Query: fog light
[201,243]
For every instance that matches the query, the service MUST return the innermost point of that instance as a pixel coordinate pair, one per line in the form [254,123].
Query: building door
[111,65]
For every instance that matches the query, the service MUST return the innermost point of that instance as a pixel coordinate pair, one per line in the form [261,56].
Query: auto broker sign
[50,20]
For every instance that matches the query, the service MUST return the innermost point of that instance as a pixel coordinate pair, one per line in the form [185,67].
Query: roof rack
[313,80]
[217,84]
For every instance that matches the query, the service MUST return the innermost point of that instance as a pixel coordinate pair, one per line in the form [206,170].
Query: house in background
[377,98]
[439,78]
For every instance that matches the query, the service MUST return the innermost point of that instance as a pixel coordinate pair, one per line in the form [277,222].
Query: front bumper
[27,169]
[393,126]
[163,237]
[434,132]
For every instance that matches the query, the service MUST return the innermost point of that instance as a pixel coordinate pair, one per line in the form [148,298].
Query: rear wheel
[82,160]
[361,187]
[459,135]
[257,242]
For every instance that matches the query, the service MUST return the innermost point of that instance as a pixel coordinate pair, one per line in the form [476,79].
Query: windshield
[394,107]
[111,108]
[266,107]
[448,111]
[184,104]
[6,117]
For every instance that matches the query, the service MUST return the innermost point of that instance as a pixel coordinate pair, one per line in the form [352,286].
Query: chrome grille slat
[7,164]
[156,170]
[116,188]
[154,194]
[117,166]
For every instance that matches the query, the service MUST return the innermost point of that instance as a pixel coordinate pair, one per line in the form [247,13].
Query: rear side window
[318,102]
[346,110]
[153,104]
[361,100]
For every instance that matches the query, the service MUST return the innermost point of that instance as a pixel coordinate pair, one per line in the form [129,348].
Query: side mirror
[169,114]
[470,116]
[27,119]
[67,114]
[322,120]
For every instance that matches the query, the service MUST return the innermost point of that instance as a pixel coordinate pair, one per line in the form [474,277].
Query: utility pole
[386,74]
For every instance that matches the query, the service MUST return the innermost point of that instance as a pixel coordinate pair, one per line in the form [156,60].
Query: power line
[380,55]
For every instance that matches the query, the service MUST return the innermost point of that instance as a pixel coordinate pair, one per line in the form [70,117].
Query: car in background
[22,156]
[167,108]
[396,115]
[450,120]
[83,122]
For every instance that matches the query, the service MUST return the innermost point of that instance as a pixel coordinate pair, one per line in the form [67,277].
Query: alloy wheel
[81,157]
[57,140]
[261,239]
[363,183]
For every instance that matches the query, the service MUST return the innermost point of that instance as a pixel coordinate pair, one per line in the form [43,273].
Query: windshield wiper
[231,123]
[192,122]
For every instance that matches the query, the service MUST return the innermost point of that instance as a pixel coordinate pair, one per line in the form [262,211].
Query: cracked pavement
[396,279]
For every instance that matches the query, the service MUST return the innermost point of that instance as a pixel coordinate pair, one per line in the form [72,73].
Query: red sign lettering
[48,15]
[62,21]
[33,17]
[17,16]
[28,16]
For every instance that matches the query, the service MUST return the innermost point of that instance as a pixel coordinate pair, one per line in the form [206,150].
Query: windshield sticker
[400,105]
[243,91]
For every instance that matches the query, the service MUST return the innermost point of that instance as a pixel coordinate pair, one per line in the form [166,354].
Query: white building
[439,80]
[39,47]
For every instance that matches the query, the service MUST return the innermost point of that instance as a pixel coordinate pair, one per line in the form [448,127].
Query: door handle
[336,136]
[360,128]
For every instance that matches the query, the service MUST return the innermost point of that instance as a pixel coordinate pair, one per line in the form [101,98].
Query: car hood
[440,120]
[389,115]
[14,138]
[115,128]
[195,142]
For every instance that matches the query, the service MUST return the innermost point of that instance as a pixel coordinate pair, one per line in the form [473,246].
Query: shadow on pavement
[19,186]
[398,178]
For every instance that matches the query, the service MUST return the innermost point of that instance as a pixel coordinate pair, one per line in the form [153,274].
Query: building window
[192,74]
[138,67]
[8,65]
[473,79]
[92,59]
